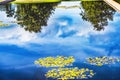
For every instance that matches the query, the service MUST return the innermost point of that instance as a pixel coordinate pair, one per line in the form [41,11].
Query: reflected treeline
[97,13]
[31,16]
[34,15]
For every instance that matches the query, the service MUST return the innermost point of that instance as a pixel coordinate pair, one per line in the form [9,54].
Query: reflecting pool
[79,29]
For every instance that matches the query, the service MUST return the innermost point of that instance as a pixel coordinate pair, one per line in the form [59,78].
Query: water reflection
[34,15]
[66,34]
[31,16]
[9,10]
[98,13]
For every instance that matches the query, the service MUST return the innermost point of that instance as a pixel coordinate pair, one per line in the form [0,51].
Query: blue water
[66,34]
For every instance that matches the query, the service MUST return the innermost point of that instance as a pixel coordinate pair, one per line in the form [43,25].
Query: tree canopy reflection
[97,12]
[32,16]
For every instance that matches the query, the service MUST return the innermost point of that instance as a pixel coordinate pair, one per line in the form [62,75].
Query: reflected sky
[66,34]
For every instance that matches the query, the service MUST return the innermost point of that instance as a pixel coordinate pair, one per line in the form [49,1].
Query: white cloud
[51,33]
[16,35]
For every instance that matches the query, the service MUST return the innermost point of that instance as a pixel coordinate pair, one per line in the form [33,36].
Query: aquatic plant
[70,73]
[59,61]
[100,61]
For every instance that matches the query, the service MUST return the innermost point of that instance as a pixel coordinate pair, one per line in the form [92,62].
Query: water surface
[79,29]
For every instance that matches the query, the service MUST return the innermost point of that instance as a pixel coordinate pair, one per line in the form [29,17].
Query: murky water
[78,29]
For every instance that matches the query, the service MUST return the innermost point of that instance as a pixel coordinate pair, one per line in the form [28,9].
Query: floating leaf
[100,61]
[58,61]
[70,73]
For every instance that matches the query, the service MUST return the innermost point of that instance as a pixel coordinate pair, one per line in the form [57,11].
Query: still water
[78,29]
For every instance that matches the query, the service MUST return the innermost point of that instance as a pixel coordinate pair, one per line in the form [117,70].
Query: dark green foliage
[117,1]
[97,13]
[34,15]
[31,16]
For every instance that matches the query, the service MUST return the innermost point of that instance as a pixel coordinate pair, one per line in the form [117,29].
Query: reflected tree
[9,10]
[97,13]
[33,16]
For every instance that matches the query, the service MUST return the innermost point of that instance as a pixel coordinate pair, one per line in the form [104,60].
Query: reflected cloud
[16,36]
[60,26]
[63,29]
[65,33]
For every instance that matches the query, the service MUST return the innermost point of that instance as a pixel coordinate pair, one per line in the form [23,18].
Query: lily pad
[59,61]
[100,61]
[70,73]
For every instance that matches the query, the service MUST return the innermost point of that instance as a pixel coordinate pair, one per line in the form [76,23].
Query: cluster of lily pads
[70,73]
[61,72]
[58,61]
[100,61]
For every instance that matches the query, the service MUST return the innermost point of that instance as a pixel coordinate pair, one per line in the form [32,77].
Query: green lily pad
[70,73]
[100,61]
[59,61]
